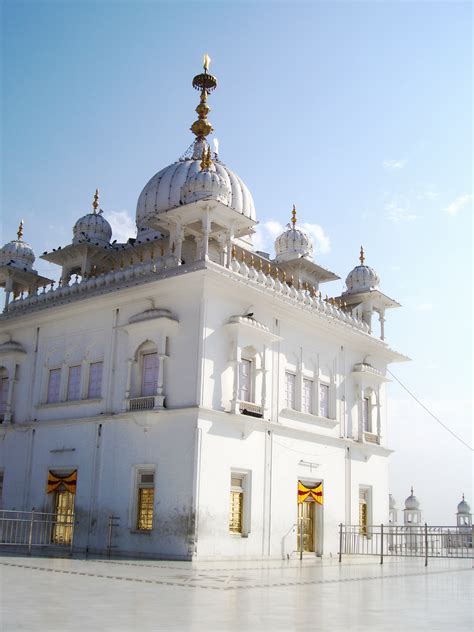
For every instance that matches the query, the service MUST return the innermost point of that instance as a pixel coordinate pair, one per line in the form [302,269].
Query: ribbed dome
[18,254]
[92,228]
[362,278]
[411,502]
[163,192]
[463,507]
[292,244]
[207,183]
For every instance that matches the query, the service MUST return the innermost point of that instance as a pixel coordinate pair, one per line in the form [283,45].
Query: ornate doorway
[64,517]
[306,524]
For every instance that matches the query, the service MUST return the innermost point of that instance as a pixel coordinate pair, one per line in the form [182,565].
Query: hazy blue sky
[360,113]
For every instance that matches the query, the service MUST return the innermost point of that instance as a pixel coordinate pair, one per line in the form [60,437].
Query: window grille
[236,504]
[145,501]
[74,383]
[307,396]
[149,374]
[324,400]
[245,380]
[3,394]
[290,390]
[95,380]
[366,421]
[54,384]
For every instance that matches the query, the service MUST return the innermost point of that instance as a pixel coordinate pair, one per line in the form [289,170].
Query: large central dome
[163,190]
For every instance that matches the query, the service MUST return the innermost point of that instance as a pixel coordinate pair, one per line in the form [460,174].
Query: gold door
[306,526]
[64,517]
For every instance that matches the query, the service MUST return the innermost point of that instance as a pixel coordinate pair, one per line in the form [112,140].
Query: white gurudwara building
[203,393]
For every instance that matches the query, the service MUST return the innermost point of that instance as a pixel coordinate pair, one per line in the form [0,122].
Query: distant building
[205,394]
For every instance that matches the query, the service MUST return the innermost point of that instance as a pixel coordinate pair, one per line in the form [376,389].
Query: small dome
[412,502]
[392,503]
[362,278]
[92,228]
[206,183]
[463,507]
[293,243]
[18,253]
[165,190]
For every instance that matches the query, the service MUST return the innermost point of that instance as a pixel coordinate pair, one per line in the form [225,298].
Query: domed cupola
[17,253]
[206,183]
[93,228]
[463,507]
[186,181]
[362,278]
[412,503]
[293,243]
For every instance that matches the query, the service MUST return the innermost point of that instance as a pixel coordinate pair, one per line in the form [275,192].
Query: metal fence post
[340,543]
[381,543]
[30,536]
[426,544]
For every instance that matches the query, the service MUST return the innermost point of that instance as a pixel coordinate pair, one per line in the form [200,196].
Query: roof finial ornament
[293,216]
[362,256]
[95,201]
[412,490]
[19,233]
[206,83]
[206,160]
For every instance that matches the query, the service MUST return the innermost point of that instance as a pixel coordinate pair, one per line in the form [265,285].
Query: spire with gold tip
[293,216]
[206,83]
[362,256]
[19,233]
[95,201]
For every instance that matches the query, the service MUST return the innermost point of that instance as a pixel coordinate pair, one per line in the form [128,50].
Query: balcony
[142,403]
[250,409]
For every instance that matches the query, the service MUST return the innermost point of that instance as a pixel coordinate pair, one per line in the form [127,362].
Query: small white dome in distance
[18,253]
[412,502]
[93,228]
[463,507]
[293,243]
[362,278]
[206,183]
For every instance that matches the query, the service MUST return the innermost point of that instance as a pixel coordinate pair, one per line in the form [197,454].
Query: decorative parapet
[301,297]
[148,271]
[109,281]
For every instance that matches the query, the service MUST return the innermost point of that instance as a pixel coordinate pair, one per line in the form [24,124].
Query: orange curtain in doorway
[67,482]
[316,493]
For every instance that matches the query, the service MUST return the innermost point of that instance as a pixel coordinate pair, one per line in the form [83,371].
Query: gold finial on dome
[95,201]
[206,160]
[206,83]
[293,216]
[362,256]
[19,233]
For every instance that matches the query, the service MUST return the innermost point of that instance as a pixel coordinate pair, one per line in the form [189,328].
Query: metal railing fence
[406,541]
[36,529]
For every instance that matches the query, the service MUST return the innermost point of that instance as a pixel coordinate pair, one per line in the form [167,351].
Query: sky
[360,113]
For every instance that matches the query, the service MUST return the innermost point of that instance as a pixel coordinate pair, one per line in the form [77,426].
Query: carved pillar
[382,324]
[379,417]
[160,395]
[179,242]
[360,415]
[7,416]
[206,229]
[130,362]
[235,389]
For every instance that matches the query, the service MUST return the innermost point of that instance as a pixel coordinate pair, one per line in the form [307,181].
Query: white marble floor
[54,594]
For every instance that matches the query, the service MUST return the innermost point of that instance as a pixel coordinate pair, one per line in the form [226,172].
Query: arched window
[146,379]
